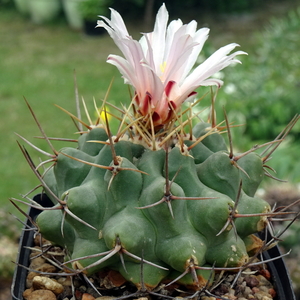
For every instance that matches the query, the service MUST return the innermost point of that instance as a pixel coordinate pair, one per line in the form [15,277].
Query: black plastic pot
[280,276]
[26,240]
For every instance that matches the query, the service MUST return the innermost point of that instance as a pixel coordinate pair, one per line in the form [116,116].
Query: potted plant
[163,206]
[90,10]
[42,11]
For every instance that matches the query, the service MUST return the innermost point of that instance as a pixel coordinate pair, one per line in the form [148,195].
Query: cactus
[164,194]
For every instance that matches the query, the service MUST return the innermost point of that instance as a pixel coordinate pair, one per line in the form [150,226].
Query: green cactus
[160,195]
[161,206]
[154,198]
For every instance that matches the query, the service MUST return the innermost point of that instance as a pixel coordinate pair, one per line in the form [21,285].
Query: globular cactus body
[166,207]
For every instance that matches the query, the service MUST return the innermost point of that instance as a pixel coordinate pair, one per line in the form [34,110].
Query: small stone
[43,268]
[266,274]
[263,281]
[36,262]
[82,288]
[230,278]
[47,268]
[229,297]
[251,281]
[240,280]
[115,278]
[87,296]
[29,279]
[105,298]
[231,292]
[223,289]
[65,281]
[264,289]
[35,251]
[247,292]
[27,292]
[239,290]
[42,295]
[46,283]
[78,294]
[263,296]
[272,292]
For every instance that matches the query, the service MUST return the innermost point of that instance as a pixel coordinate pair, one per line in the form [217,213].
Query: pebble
[35,250]
[45,283]
[40,295]
[87,296]
[252,285]
[115,278]
[45,267]
[266,274]
[29,279]
[251,281]
[272,292]
[36,262]
[27,292]
[260,295]
[65,281]
[263,281]
[230,297]
[264,289]
[247,291]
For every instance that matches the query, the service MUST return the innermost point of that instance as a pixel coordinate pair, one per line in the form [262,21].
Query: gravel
[253,283]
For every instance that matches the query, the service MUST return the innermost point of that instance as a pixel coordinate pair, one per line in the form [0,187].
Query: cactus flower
[159,65]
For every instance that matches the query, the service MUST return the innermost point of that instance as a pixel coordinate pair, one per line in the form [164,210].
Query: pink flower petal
[159,65]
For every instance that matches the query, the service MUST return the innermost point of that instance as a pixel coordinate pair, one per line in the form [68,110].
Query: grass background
[38,63]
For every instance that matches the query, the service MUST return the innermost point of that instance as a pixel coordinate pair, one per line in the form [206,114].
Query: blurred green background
[38,60]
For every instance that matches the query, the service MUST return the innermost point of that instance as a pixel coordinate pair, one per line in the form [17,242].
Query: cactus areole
[163,198]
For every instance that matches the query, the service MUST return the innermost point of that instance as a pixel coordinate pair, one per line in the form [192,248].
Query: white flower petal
[118,23]
[173,27]
[124,67]
[180,51]
[159,65]
[158,37]
[200,38]
[216,62]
